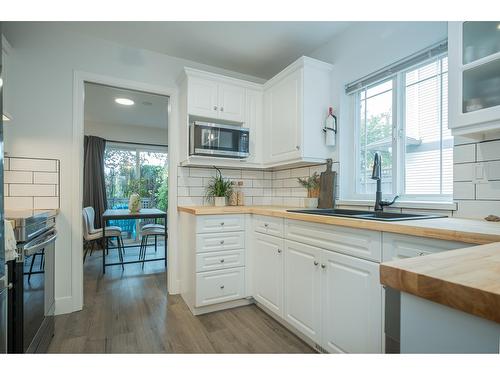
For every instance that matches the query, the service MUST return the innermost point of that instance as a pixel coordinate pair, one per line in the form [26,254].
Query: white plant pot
[311,202]
[219,201]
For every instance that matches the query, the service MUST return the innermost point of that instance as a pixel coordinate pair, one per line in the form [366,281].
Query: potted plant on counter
[311,183]
[218,189]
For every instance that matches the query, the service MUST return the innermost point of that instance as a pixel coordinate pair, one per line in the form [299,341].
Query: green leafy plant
[311,183]
[218,187]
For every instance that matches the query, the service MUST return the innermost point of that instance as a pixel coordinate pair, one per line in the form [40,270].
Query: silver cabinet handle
[222,109]
[222,260]
[222,286]
[297,147]
[421,254]
[316,263]
[323,265]
[215,108]
[222,224]
[266,225]
[279,251]
[222,242]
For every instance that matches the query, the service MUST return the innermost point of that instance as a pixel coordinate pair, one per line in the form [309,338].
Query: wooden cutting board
[327,181]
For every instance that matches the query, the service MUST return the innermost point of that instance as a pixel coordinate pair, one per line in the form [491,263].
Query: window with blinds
[404,117]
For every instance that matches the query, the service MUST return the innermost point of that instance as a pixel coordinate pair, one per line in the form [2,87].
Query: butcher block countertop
[465,279]
[452,229]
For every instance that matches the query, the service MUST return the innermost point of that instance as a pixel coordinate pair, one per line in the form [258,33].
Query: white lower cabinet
[268,272]
[351,304]
[303,288]
[220,286]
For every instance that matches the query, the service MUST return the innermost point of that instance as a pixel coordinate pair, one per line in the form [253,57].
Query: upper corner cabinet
[296,104]
[211,98]
[474,77]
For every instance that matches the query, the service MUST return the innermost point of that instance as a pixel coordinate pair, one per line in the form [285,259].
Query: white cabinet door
[284,118]
[231,102]
[303,288]
[268,272]
[351,304]
[202,97]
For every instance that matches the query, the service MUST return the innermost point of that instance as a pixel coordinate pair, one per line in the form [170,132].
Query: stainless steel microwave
[211,139]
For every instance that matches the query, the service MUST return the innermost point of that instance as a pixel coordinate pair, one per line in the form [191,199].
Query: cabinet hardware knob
[323,265]
[222,286]
[421,254]
[316,263]
[266,225]
[297,147]
[279,251]
[222,242]
[222,109]
[10,286]
[215,108]
[222,224]
[222,260]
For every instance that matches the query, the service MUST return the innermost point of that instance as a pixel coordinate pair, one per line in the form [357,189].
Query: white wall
[127,133]
[361,49]
[39,95]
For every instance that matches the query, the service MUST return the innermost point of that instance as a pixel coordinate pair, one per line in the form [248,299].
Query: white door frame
[79,79]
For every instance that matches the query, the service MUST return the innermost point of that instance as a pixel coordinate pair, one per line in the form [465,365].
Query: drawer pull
[222,260]
[222,242]
[279,251]
[222,224]
[222,286]
[316,263]
[266,225]
[323,265]
[421,254]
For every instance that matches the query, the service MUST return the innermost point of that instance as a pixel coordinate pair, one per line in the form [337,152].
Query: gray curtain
[94,185]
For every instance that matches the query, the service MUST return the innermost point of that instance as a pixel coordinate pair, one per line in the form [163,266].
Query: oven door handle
[30,250]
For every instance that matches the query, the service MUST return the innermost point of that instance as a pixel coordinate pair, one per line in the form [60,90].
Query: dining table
[126,214]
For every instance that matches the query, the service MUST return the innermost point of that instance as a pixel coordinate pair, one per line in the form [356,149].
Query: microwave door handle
[30,250]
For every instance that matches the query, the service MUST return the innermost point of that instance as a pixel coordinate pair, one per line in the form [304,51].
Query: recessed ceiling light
[124,101]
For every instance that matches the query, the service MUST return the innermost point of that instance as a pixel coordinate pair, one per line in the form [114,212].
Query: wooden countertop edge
[390,227]
[455,295]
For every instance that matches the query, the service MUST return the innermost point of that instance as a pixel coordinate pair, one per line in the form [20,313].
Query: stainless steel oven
[211,139]
[31,299]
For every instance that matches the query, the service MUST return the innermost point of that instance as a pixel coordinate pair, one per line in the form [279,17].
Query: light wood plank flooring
[130,312]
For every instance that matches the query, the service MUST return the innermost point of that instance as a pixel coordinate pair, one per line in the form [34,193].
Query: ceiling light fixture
[124,101]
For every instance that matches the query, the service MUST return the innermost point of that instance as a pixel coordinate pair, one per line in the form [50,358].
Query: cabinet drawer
[400,246]
[269,225]
[220,241]
[220,286]
[220,223]
[217,260]
[360,243]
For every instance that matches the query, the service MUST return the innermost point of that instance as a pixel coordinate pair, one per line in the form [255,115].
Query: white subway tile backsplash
[32,190]
[488,151]
[285,173]
[190,181]
[45,177]
[202,172]
[191,201]
[40,165]
[463,190]
[18,203]
[197,191]
[291,183]
[477,209]
[492,169]
[182,172]
[261,201]
[252,174]
[488,191]
[183,191]
[6,164]
[18,177]
[231,173]
[300,172]
[464,153]
[5,190]
[40,203]
[463,172]
[268,175]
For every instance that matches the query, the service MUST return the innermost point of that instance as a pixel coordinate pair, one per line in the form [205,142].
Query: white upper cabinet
[231,102]
[296,104]
[202,97]
[474,77]
[211,98]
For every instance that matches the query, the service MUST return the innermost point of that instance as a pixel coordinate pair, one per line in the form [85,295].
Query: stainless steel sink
[366,215]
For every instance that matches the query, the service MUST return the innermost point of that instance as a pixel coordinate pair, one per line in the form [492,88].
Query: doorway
[132,128]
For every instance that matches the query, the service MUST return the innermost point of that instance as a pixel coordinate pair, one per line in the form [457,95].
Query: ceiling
[260,49]
[149,110]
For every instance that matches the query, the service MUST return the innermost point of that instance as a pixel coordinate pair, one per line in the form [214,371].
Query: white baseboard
[64,305]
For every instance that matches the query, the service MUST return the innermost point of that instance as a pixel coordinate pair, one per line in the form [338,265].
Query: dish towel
[10,241]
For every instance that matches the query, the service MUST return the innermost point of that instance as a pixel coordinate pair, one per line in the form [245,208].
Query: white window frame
[398,137]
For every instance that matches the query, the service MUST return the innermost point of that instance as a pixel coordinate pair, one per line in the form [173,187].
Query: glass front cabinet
[474,77]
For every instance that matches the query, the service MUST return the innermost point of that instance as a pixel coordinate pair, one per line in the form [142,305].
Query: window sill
[423,205]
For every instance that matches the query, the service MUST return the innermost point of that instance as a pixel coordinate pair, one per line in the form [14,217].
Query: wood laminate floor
[130,312]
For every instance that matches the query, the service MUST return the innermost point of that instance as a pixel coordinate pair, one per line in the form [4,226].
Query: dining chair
[91,234]
[151,230]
